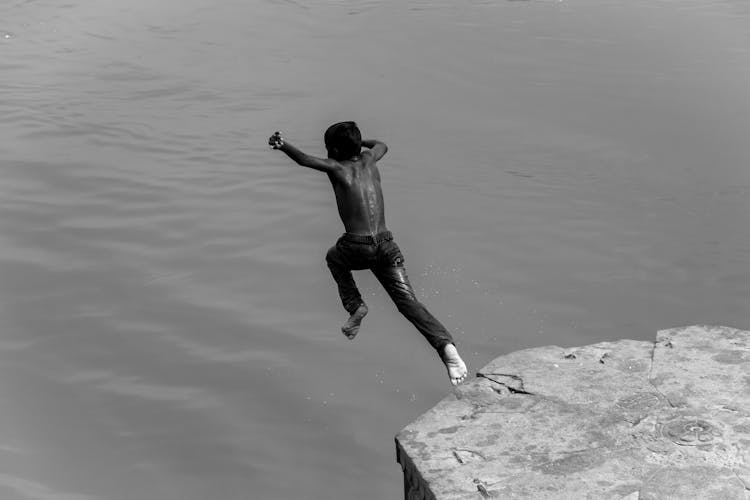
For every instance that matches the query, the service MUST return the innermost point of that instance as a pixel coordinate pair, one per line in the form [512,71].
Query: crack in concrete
[747,486]
[461,460]
[514,390]
[483,491]
[651,370]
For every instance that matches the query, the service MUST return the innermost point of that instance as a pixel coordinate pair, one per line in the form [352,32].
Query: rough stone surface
[624,420]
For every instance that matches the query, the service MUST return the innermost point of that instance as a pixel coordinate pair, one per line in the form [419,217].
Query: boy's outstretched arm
[276,141]
[378,148]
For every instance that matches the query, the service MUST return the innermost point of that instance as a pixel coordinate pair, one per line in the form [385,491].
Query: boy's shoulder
[368,157]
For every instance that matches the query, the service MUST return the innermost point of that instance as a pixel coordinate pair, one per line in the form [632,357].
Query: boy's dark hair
[343,140]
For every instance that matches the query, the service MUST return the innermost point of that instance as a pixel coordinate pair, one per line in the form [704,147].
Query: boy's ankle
[448,350]
[357,309]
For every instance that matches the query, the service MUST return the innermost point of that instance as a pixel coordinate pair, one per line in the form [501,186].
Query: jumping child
[367,243]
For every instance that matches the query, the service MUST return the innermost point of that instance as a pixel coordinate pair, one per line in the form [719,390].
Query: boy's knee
[331,255]
[408,304]
[404,296]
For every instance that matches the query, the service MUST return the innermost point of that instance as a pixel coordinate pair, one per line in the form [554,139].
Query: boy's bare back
[359,196]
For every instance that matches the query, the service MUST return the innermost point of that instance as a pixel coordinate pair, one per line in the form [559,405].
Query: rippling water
[561,172]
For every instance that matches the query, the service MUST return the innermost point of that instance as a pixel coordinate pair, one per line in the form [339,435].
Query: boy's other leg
[396,283]
[351,299]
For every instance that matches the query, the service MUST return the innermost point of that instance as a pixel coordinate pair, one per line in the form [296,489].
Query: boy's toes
[351,327]
[350,333]
[458,380]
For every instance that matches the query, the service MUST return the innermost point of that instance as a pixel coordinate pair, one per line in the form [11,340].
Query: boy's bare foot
[455,365]
[351,327]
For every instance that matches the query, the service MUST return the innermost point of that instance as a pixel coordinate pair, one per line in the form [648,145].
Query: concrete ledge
[617,420]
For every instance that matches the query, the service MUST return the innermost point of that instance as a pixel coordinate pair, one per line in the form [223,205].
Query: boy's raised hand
[276,141]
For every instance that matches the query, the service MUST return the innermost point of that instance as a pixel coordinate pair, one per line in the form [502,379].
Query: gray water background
[560,173]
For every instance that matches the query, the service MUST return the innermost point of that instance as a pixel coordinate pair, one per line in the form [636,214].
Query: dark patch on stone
[417,446]
[730,357]
[489,441]
[449,430]
[690,431]
[570,463]
[511,403]
[639,402]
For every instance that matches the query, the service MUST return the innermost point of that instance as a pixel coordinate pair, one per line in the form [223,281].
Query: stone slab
[630,420]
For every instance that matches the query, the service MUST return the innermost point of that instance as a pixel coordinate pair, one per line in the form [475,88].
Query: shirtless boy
[367,243]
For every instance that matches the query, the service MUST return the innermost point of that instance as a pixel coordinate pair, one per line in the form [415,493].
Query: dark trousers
[381,255]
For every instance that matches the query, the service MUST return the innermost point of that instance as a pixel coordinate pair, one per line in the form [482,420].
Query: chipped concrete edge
[415,487]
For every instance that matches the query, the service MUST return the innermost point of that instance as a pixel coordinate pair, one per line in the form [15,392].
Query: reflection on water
[560,172]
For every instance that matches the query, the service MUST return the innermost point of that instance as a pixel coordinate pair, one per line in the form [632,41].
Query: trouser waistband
[370,239]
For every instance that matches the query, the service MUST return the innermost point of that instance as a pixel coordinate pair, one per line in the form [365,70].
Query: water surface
[559,173]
